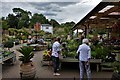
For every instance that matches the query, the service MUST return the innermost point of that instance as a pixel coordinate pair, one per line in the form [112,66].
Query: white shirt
[85,52]
[55,48]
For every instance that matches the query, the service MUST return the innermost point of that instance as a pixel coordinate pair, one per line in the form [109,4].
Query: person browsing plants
[84,58]
[55,56]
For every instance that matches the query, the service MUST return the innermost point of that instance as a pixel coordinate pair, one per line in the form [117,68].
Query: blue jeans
[83,66]
[55,63]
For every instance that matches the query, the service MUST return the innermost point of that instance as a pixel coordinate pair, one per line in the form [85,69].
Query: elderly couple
[84,52]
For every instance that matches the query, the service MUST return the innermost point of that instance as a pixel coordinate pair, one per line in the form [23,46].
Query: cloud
[49,14]
[60,11]
[76,12]
[8,6]
[41,0]
[51,8]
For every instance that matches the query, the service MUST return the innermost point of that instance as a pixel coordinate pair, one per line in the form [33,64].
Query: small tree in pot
[27,68]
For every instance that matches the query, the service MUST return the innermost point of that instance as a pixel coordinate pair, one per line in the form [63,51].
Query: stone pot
[27,70]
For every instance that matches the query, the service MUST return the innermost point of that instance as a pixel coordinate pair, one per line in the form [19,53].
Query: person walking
[55,56]
[84,52]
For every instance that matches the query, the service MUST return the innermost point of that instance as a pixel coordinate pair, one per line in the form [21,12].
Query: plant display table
[38,46]
[8,58]
[97,62]
[107,66]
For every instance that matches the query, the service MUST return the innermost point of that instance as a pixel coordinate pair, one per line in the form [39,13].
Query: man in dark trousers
[55,56]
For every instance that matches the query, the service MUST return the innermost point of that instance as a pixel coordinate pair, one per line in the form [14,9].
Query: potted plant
[116,68]
[9,44]
[27,68]
[47,55]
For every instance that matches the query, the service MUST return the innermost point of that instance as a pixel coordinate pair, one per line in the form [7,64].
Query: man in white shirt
[84,58]
[55,55]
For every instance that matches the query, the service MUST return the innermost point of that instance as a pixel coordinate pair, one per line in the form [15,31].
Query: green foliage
[116,66]
[8,44]
[38,18]
[12,21]
[24,37]
[93,54]
[54,23]
[23,17]
[99,51]
[6,53]
[72,46]
[71,54]
[27,54]
[4,25]
[11,31]
[41,33]
[46,55]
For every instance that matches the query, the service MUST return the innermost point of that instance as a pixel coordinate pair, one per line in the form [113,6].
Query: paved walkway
[47,71]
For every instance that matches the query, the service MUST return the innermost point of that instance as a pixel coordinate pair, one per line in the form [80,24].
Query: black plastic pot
[115,76]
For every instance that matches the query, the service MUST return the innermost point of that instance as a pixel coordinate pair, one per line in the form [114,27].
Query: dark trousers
[55,63]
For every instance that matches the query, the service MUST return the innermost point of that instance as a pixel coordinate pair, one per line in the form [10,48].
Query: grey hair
[85,40]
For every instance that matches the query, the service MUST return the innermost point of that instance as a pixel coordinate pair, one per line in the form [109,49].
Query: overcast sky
[60,10]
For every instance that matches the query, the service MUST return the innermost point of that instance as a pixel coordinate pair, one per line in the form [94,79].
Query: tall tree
[23,17]
[38,18]
[54,23]
[12,21]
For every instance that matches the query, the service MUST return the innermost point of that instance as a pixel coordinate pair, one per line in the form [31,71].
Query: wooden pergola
[104,15]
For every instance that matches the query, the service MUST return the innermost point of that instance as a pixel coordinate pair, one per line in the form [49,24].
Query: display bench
[97,62]
[38,47]
[11,58]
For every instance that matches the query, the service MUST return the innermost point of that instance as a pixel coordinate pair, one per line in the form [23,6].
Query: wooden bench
[97,62]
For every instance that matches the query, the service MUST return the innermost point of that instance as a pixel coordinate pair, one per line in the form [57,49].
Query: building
[47,28]
[104,15]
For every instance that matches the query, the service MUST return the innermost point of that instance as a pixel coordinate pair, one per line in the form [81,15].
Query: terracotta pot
[27,70]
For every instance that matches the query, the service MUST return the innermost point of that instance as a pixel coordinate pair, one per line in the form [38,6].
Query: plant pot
[27,70]
[115,76]
[21,41]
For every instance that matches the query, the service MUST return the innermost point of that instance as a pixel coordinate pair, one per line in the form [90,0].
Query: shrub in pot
[8,44]
[27,68]
[116,67]
[47,55]
[116,74]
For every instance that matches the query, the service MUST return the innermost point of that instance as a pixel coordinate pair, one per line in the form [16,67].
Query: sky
[60,10]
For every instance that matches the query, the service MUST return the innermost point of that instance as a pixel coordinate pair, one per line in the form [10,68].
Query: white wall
[47,28]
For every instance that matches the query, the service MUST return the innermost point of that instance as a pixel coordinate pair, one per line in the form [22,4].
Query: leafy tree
[3,18]
[4,25]
[54,23]
[38,18]
[11,31]
[12,21]
[23,17]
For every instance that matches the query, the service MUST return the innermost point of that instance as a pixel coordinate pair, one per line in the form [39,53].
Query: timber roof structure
[106,13]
